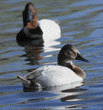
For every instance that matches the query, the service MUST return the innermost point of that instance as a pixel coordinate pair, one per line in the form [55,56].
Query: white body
[51,32]
[54,75]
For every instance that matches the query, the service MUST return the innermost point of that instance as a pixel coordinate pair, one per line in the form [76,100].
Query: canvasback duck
[37,32]
[54,75]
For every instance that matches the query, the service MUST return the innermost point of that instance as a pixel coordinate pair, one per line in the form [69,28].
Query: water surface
[81,24]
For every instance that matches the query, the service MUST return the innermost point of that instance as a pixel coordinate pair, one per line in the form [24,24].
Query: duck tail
[24,80]
[57,21]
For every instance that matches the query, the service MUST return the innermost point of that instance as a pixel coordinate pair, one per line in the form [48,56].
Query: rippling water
[81,24]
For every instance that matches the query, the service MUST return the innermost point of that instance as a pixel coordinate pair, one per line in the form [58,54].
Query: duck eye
[69,51]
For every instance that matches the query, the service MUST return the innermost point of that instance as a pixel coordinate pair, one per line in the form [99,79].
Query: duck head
[67,54]
[30,15]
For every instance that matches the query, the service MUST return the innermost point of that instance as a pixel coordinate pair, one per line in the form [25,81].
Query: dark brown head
[69,53]
[28,13]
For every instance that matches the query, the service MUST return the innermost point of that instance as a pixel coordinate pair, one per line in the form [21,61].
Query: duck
[55,75]
[40,32]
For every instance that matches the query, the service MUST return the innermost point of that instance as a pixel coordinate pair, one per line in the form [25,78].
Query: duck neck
[67,63]
[34,22]
[32,25]
[78,71]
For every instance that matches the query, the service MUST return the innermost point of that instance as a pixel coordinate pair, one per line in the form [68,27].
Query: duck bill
[79,57]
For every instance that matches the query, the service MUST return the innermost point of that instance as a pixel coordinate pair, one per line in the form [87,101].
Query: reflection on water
[33,55]
[81,25]
[52,97]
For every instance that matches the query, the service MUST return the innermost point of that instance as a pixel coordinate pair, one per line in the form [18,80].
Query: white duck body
[51,31]
[53,75]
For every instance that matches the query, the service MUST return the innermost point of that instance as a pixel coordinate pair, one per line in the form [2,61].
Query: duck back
[30,36]
[51,30]
[53,75]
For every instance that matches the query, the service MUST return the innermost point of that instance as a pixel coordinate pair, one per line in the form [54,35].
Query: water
[81,24]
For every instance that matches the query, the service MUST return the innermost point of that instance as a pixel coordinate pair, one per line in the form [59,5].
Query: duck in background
[37,33]
[54,75]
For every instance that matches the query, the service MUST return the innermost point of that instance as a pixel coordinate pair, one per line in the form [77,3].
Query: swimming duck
[36,31]
[54,75]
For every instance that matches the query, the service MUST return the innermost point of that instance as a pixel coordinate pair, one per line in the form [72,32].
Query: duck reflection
[69,97]
[75,93]
[33,55]
[74,97]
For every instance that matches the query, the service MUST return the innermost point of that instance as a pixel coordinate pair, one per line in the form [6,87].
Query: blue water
[81,23]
